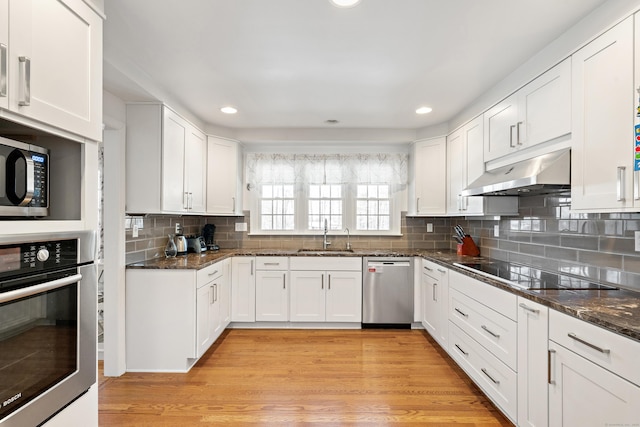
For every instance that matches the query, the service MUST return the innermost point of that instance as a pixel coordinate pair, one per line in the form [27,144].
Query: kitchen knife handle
[620,184]
[24,72]
[3,70]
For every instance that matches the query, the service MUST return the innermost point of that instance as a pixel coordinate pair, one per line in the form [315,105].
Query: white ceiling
[298,63]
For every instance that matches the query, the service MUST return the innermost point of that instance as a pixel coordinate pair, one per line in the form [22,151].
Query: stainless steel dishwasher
[387,292]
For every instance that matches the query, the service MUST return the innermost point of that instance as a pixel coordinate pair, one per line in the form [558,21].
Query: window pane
[373,191]
[361,207]
[314,207]
[266,222]
[384,207]
[383,191]
[314,191]
[362,192]
[336,207]
[288,191]
[383,223]
[277,191]
[288,207]
[289,222]
[267,207]
[314,222]
[325,191]
[361,222]
[267,192]
[336,191]
[372,223]
[325,206]
[372,208]
[336,223]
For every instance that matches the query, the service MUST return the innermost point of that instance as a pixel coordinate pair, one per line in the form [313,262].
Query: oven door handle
[38,289]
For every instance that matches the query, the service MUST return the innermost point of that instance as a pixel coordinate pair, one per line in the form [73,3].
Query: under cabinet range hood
[547,173]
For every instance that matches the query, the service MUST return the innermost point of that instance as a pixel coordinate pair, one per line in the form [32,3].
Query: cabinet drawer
[607,349]
[272,263]
[494,377]
[495,332]
[209,273]
[311,263]
[434,271]
[497,299]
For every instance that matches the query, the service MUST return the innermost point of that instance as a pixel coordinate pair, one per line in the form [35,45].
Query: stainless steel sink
[325,251]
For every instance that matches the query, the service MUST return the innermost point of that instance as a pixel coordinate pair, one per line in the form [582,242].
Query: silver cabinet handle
[329,281]
[518,141]
[417,204]
[233,207]
[461,350]
[3,70]
[427,268]
[487,330]
[532,310]
[434,292]
[588,344]
[24,76]
[214,273]
[271,263]
[185,201]
[215,288]
[620,184]
[484,371]
[213,298]
[252,267]
[549,379]
[442,271]
[636,185]
[322,282]
[511,128]
[461,312]
[284,280]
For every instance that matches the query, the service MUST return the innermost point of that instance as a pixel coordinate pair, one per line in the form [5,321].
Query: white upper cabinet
[603,112]
[222,177]
[539,112]
[53,68]
[464,165]
[166,162]
[429,162]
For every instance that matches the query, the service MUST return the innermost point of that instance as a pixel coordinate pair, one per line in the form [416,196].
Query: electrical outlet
[177,228]
[429,228]
[496,231]
[241,226]
[637,237]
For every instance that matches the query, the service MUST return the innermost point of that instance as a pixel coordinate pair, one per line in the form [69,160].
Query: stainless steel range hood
[548,173]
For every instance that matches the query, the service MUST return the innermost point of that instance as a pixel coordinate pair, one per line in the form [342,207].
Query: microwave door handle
[30,187]
[38,289]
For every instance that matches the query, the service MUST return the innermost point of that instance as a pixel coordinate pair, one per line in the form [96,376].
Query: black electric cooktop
[531,278]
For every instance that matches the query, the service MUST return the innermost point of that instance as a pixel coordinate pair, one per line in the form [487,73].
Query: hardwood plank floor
[304,378]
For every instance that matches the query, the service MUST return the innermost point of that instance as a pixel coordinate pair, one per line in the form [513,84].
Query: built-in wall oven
[48,316]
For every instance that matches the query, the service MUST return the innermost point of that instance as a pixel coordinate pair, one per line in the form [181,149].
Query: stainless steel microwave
[24,179]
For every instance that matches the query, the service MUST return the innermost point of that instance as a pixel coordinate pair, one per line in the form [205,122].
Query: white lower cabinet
[533,336]
[435,301]
[272,289]
[243,289]
[326,289]
[593,376]
[174,316]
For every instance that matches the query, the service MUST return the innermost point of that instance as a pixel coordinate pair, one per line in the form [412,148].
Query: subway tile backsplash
[544,234]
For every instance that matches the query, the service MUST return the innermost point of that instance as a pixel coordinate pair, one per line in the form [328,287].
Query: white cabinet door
[55,64]
[343,296]
[456,173]
[602,115]
[272,296]
[533,338]
[499,127]
[195,170]
[4,52]
[222,176]
[225,294]
[430,307]
[307,296]
[430,175]
[204,305]
[582,393]
[174,137]
[243,289]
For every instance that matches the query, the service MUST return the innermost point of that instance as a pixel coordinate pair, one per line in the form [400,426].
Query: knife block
[468,247]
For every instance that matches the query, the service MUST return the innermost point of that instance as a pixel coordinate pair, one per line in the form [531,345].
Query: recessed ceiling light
[424,110]
[229,110]
[345,3]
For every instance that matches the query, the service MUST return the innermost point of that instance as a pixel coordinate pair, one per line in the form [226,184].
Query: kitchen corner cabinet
[429,165]
[243,289]
[538,112]
[272,289]
[603,117]
[533,336]
[52,76]
[174,316]
[465,164]
[593,376]
[223,197]
[435,301]
[326,289]
[166,162]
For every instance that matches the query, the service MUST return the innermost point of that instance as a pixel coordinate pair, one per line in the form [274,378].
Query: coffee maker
[207,233]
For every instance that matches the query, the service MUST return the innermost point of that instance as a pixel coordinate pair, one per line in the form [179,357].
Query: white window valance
[388,168]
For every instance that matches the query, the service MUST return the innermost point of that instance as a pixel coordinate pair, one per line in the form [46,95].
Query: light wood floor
[301,377]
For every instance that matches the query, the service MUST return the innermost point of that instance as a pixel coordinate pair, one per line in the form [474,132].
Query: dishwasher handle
[389,264]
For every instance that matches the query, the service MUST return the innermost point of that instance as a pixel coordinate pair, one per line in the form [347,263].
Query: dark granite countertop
[617,310]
